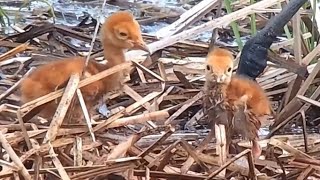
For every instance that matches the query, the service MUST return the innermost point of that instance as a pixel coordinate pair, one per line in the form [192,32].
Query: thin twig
[228,163]
[5,144]
[94,37]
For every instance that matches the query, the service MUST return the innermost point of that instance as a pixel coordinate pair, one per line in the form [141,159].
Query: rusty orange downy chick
[235,101]
[119,33]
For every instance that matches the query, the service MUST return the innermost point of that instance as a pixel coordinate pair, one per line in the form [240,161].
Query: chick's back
[47,78]
[257,101]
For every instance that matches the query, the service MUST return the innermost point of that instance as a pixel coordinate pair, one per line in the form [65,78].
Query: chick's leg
[256,149]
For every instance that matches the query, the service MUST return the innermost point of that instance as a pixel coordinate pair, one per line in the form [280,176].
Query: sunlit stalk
[4,17]
[253,21]
[234,25]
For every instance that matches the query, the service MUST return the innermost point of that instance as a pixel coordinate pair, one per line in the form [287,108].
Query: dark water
[72,12]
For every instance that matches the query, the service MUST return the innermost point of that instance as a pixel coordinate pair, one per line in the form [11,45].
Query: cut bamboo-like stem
[77,149]
[5,144]
[57,163]
[62,108]
[221,146]
[139,119]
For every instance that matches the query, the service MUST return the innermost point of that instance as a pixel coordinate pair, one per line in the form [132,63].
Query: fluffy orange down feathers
[238,91]
[119,33]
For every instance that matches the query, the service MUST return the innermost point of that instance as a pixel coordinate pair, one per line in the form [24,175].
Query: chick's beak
[142,46]
[221,79]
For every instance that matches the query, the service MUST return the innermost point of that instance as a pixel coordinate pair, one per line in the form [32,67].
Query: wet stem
[234,25]
[3,17]
[253,21]
[28,2]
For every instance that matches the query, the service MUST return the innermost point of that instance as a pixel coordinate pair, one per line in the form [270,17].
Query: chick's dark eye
[208,67]
[229,69]
[123,34]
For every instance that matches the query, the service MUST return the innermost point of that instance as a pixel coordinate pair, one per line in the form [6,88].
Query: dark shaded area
[253,59]
[29,115]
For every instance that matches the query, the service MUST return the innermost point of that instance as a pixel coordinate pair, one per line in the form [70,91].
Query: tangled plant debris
[154,128]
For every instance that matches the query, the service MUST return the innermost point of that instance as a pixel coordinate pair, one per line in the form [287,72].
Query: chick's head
[122,31]
[219,66]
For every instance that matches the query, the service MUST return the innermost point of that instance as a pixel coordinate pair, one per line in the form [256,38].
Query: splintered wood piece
[146,70]
[8,165]
[309,57]
[139,119]
[105,170]
[62,108]
[221,146]
[123,147]
[166,158]
[57,163]
[289,148]
[160,98]
[24,130]
[140,101]
[292,90]
[188,163]
[168,175]
[108,121]
[134,95]
[187,18]
[158,142]
[186,105]
[306,173]
[296,20]
[128,110]
[192,152]
[208,26]
[304,130]
[86,114]
[294,105]
[5,144]
[288,64]
[167,168]
[38,160]
[9,44]
[278,45]
[304,108]
[77,149]
[45,148]
[308,100]
[252,172]
[163,157]
[23,32]
[183,79]
[20,60]
[147,173]
[187,70]
[162,71]
[194,119]
[238,156]
[141,75]
[14,51]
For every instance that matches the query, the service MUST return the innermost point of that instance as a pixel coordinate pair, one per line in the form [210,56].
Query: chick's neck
[218,89]
[114,55]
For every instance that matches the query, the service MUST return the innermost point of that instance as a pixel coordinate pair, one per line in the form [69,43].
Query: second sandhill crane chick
[229,93]
[119,33]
